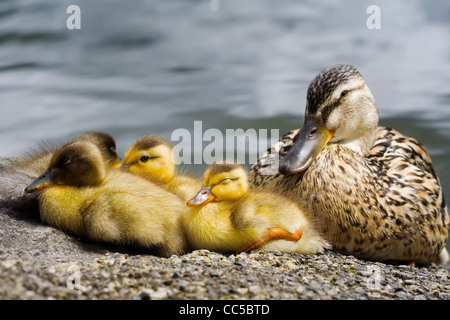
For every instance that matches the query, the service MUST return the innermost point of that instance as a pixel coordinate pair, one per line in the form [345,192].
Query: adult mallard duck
[226,216]
[82,195]
[373,191]
[151,158]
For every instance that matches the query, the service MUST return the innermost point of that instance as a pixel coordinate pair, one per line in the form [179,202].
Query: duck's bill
[310,141]
[41,182]
[203,196]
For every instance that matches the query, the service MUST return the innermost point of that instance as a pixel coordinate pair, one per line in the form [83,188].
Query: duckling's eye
[344,93]
[65,161]
[144,158]
[225,181]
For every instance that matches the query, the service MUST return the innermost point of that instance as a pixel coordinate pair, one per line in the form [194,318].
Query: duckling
[372,190]
[151,157]
[27,168]
[226,216]
[82,195]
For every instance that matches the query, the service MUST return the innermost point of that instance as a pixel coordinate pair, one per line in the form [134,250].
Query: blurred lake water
[139,67]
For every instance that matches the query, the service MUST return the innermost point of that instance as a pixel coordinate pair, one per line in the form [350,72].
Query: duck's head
[106,144]
[339,109]
[78,163]
[222,182]
[151,157]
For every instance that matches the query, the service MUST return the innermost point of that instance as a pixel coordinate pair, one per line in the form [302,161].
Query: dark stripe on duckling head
[105,142]
[216,168]
[324,84]
[151,141]
[99,138]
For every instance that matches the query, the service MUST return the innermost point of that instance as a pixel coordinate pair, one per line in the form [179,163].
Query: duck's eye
[226,181]
[144,158]
[344,93]
[65,161]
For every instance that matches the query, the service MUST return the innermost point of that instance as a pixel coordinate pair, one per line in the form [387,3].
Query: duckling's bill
[203,196]
[310,141]
[44,180]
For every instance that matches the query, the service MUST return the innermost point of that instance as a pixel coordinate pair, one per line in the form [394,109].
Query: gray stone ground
[40,262]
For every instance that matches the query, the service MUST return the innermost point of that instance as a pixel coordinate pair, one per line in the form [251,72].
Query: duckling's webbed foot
[273,234]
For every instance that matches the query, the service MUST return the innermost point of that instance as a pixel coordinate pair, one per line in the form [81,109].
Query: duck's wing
[266,167]
[391,143]
[393,147]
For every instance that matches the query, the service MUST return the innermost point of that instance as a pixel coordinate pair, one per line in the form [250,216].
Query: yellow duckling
[27,168]
[227,216]
[82,195]
[151,157]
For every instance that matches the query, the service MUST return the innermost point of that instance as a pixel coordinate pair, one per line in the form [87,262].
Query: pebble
[159,294]
[254,289]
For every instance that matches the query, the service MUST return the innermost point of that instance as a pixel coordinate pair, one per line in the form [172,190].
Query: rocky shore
[39,262]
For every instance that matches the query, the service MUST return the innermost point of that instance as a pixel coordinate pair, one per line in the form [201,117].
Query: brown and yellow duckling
[82,195]
[27,168]
[373,191]
[151,157]
[226,216]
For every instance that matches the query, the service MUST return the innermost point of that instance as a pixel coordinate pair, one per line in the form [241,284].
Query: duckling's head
[105,143]
[78,163]
[150,156]
[222,182]
[339,109]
